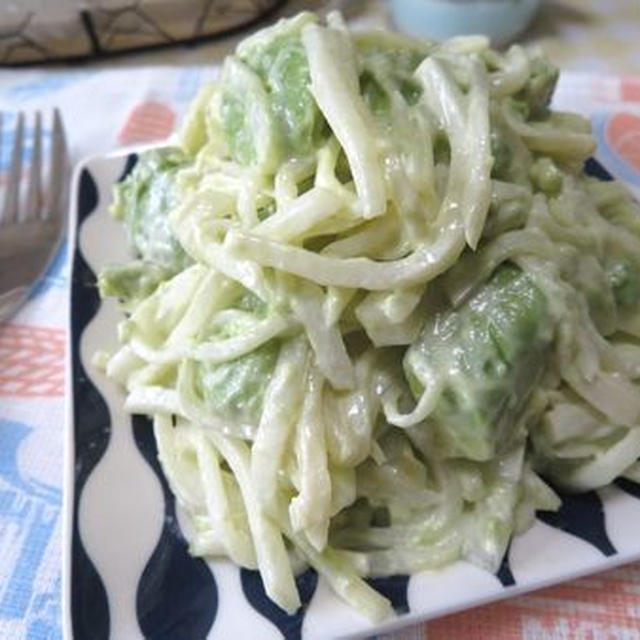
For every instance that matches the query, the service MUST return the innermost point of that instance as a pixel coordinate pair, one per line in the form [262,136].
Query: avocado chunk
[143,201]
[488,355]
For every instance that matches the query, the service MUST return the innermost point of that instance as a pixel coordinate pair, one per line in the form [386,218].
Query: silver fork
[33,216]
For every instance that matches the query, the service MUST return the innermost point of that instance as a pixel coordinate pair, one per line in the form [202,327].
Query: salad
[377,309]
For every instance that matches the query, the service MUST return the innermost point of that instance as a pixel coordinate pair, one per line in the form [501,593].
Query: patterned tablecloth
[108,107]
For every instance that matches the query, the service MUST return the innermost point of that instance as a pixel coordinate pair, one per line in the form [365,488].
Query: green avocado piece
[488,354]
[143,201]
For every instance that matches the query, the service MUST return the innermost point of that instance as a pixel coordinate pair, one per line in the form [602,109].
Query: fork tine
[12,193]
[30,239]
[57,189]
[34,190]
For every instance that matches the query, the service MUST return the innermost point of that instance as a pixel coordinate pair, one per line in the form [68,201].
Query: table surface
[584,36]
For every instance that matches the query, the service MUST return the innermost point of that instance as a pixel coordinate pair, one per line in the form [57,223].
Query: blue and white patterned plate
[127,572]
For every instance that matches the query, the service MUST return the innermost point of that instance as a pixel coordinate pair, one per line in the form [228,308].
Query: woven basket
[35,31]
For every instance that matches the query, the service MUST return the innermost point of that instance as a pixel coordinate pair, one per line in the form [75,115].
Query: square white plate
[127,573]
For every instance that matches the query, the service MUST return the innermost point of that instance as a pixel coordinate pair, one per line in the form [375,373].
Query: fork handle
[10,301]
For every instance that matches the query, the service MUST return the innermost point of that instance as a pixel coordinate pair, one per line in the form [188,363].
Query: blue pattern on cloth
[29,515]
[43,84]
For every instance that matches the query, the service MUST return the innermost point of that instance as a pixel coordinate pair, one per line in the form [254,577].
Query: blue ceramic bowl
[501,20]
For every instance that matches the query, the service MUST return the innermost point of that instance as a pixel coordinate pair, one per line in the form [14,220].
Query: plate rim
[69,448]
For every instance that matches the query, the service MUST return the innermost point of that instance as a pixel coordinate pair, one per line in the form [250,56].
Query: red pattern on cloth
[150,120]
[32,361]
[623,135]
[603,606]
[630,89]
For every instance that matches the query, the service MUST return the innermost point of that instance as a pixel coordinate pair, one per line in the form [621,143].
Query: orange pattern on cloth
[603,606]
[630,89]
[148,121]
[623,134]
[32,361]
